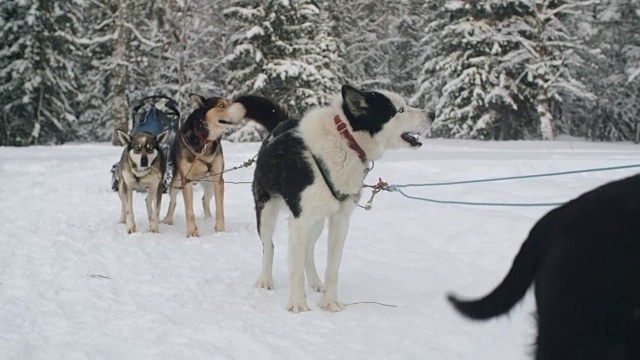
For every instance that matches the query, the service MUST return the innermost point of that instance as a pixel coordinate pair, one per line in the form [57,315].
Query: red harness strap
[353,144]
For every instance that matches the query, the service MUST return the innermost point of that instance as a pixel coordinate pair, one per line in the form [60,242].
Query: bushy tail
[262,110]
[511,290]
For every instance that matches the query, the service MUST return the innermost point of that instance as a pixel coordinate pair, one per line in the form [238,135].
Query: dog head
[212,116]
[384,116]
[142,148]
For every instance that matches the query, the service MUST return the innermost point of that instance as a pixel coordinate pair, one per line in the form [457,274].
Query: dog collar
[351,141]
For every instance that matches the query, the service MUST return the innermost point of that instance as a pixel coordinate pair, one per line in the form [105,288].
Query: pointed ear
[353,99]
[125,138]
[197,100]
[160,138]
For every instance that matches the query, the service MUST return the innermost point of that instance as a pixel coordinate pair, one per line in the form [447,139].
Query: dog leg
[149,203]
[218,190]
[173,192]
[155,216]
[338,227]
[313,280]
[206,198]
[123,201]
[298,232]
[267,214]
[187,195]
[130,219]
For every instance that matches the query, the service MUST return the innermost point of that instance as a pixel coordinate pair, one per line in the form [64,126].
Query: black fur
[368,111]
[273,176]
[584,258]
[263,111]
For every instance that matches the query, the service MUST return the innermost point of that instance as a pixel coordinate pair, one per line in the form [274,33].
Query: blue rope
[518,177]
[396,188]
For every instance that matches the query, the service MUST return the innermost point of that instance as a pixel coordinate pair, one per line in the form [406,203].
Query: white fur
[347,172]
[236,113]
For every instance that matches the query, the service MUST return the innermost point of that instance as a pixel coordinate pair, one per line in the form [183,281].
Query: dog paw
[316,285]
[219,228]
[193,233]
[131,230]
[153,229]
[297,306]
[168,221]
[264,283]
[331,305]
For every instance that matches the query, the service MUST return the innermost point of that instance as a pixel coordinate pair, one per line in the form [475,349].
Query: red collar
[353,144]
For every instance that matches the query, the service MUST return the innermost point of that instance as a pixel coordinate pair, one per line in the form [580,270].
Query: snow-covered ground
[74,285]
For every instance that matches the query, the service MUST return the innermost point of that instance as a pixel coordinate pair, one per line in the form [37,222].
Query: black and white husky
[315,167]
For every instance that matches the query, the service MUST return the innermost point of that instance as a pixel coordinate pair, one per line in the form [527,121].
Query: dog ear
[354,99]
[125,138]
[160,138]
[197,100]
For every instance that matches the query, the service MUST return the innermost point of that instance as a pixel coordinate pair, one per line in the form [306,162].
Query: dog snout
[144,161]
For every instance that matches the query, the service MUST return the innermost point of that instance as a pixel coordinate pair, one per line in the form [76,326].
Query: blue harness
[150,123]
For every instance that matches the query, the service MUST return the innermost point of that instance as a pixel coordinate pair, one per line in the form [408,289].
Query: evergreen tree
[283,51]
[613,26]
[476,91]
[498,61]
[38,71]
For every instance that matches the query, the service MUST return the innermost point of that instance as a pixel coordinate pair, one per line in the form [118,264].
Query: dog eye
[221,106]
[149,147]
[137,148]
[401,109]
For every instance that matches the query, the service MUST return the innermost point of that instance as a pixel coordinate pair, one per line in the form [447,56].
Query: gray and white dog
[142,166]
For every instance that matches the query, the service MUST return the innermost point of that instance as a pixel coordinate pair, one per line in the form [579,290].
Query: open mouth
[412,138]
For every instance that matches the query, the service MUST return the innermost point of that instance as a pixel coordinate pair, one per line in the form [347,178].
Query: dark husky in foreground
[314,168]
[197,157]
[141,166]
[584,259]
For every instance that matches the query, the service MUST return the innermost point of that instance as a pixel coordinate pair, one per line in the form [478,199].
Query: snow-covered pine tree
[37,73]
[500,62]
[613,26]
[194,39]
[406,30]
[429,79]
[548,54]
[281,51]
[365,27]
[119,68]
[477,93]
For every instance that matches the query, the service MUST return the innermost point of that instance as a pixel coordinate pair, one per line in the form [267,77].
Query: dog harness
[325,175]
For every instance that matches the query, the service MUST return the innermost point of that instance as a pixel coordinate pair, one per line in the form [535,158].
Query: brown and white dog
[141,166]
[198,158]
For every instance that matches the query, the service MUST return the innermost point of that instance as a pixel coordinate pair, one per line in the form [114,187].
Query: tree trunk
[546,118]
[35,133]
[121,119]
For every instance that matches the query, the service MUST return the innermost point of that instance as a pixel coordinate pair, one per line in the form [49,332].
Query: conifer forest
[489,70]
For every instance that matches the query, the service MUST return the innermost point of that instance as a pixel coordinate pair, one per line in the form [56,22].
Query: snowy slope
[74,285]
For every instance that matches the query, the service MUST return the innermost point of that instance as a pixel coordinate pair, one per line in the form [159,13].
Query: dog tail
[261,110]
[513,287]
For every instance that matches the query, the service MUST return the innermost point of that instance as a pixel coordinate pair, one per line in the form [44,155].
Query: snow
[74,285]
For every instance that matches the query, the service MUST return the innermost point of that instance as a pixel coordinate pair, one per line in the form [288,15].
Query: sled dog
[142,166]
[584,259]
[314,168]
[197,157]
